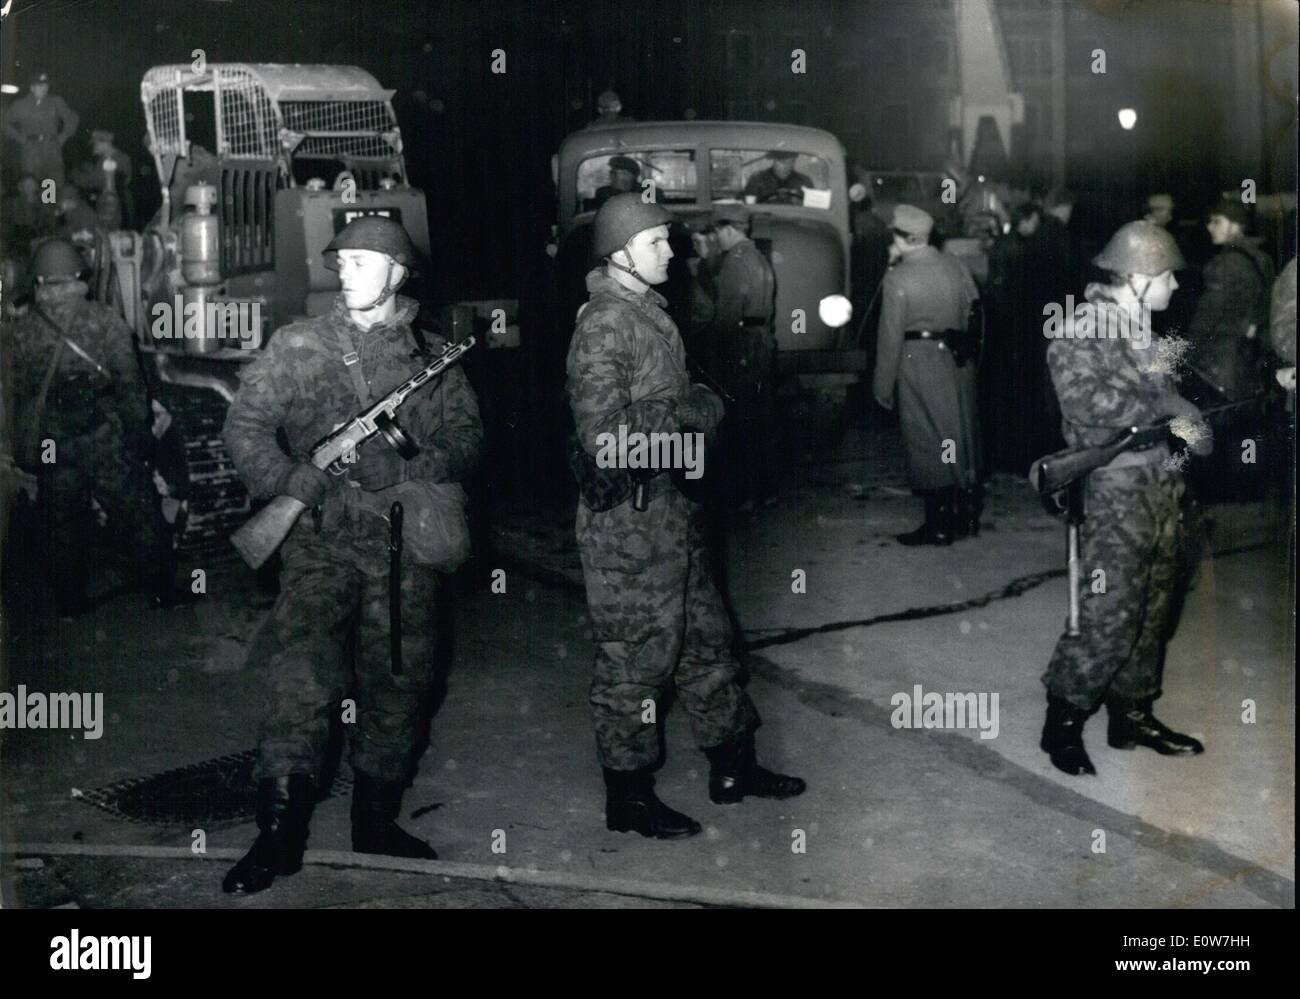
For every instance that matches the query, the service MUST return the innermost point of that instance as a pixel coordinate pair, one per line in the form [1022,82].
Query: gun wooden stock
[1056,471]
[1052,473]
[262,535]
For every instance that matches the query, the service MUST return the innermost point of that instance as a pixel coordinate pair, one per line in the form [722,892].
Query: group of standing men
[657,614]
[99,193]
[925,362]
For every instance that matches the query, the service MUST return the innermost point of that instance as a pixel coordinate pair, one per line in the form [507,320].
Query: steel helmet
[1140,248]
[57,260]
[622,217]
[372,232]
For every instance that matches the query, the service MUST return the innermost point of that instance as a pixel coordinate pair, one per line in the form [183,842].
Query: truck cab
[696,166]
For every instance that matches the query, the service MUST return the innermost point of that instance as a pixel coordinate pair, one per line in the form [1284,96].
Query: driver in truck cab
[781,178]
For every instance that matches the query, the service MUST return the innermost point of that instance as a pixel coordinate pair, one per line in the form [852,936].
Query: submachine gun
[262,535]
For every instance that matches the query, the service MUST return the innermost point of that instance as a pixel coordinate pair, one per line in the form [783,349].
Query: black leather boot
[283,806]
[632,806]
[157,576]
[1132,724]
[734,773]
[164,594]
[375,806]
[937,529]
[1063,737]
[967,508]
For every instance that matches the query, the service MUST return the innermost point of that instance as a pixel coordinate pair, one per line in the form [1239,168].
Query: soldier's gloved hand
[1196,434]
[304,482]
[378,466]
[699,407]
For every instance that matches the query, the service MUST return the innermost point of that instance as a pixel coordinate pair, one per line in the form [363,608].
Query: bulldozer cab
[295,152]
[304,121]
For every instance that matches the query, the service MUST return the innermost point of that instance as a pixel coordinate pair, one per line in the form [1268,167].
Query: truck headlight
[835,310]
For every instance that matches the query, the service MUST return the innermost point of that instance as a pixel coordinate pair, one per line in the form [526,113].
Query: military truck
[694,167]
[259,165]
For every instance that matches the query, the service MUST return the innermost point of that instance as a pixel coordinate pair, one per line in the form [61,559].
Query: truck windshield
[762,176]
[671,170]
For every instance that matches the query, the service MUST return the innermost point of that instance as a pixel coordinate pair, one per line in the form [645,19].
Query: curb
[444,868]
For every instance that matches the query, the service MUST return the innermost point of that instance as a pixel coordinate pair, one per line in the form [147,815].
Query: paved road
[893,816]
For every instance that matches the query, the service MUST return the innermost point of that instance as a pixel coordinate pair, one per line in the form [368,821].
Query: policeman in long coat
[1109,377]
[743,328]
[335,579]
[925,306]
[657,615]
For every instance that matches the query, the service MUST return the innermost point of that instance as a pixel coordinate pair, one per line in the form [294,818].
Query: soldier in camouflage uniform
[312,376]
[742,322]
[1106,383]
[657,615]
[77,385]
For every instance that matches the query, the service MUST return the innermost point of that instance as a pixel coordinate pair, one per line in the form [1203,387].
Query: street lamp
[1127,119]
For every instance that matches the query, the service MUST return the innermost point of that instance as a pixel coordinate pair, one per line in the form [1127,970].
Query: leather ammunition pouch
[603,488]
[600,488]
[435,530]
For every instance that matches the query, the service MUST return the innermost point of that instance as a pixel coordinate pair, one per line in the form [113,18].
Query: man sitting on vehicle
[780,181]
[623,175]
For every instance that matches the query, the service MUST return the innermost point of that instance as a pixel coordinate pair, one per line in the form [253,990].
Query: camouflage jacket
[626,363]
[301,384]
[1237,284]
[1106,385]
[746,286]
[97,330]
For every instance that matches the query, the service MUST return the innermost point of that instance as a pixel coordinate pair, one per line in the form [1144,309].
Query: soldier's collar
[61,291]
[407,308]
[600,282]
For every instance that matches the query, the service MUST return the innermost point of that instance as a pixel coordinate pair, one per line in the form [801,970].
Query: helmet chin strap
[632,271]
[1140,295]
[389,290]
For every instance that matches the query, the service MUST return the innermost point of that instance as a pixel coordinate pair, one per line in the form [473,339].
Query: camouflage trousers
[658,618]
[1131,534]
[334,601]
[96,466]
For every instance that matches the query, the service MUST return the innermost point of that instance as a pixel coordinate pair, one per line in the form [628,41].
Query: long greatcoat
[937,411]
